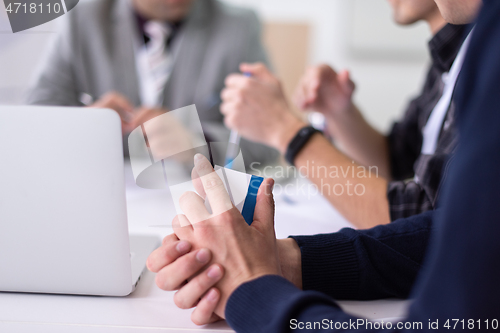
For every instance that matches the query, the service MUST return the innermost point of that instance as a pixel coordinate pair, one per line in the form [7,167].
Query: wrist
[286,132]
[290,260]
[345,113]
[337,122]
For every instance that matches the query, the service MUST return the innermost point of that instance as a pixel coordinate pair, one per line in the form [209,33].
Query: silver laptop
[63,217]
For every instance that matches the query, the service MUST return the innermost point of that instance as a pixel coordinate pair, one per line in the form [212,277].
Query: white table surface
[150,309]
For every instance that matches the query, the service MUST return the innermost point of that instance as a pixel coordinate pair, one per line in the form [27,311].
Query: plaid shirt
[417,177]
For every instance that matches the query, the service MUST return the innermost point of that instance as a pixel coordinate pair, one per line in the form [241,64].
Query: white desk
[151,309]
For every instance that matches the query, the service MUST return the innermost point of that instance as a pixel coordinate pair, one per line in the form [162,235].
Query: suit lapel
[122,40]
[189,53]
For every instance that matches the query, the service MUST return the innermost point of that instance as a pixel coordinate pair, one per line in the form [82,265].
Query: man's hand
[172,249]
[256,107]
[243,250]
[143,114]
[246,252]
[176,264]
[131,118]
[323,90]
[166,135]
[119,103]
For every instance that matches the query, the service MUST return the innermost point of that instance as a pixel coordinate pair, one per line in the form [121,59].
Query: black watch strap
[298,142]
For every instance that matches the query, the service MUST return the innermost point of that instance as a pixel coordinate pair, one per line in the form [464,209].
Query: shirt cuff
[330,264]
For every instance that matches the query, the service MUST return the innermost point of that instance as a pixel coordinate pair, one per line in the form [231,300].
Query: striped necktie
[158,62]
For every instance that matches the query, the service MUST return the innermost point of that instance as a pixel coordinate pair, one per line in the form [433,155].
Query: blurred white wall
[20,54]
[386,61]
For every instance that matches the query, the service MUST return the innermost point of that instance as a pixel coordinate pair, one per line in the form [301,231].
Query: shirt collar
[445,44]
[141,21]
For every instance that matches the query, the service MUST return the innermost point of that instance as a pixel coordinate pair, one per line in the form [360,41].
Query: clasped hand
[209,255]
[166,136]
[130,117]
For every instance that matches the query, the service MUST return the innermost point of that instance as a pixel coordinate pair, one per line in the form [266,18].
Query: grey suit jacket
[95,53]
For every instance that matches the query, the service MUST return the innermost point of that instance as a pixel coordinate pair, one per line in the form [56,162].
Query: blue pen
[234,143]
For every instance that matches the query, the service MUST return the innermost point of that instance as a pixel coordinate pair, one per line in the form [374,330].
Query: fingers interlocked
[179,269]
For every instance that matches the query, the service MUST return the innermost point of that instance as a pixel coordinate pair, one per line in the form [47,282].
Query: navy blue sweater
[460,278]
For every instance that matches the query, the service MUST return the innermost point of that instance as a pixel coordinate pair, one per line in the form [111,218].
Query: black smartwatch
[298,142]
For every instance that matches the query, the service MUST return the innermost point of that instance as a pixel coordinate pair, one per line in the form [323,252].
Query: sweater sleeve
[368,264]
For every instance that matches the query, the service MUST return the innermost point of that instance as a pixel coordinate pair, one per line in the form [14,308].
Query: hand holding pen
[234,142]
[256,107]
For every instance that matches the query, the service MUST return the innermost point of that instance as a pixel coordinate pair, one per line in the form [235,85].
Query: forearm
[272,304]
[357,192]
[359,264]
[360,140]
[55,83]
[48,91]
[344,264]
[250,308]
